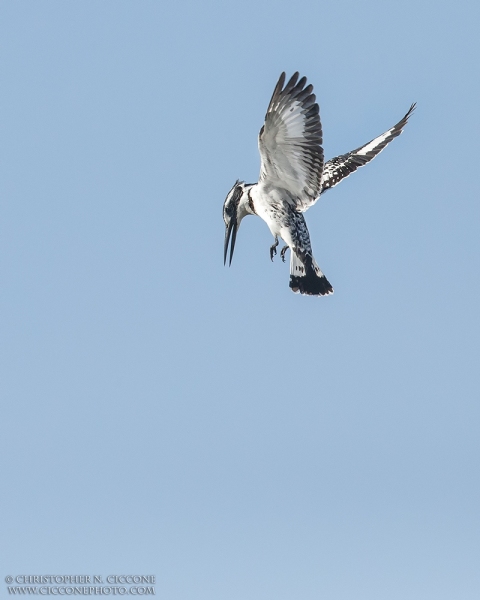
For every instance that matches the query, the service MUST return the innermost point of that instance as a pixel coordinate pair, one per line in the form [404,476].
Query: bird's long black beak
[231,231]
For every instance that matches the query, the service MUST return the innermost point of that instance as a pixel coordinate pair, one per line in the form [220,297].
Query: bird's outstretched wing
[290,141]
[342,166]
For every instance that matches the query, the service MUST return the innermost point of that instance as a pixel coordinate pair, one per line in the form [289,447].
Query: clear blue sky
[162,414]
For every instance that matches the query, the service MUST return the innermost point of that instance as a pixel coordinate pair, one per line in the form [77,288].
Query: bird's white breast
[270,205]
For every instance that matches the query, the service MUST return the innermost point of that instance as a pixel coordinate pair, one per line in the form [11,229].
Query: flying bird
[293,175]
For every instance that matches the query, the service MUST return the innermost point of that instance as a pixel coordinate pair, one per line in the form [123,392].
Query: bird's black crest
[231,202]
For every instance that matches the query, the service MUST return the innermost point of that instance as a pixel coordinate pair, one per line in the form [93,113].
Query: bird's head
[235,207]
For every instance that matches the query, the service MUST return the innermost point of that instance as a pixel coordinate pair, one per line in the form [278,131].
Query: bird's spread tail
[307,278]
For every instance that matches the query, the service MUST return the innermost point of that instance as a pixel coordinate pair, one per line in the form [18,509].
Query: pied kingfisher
[292,177]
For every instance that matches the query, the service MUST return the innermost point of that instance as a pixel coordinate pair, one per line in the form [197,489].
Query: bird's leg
[273,249]
[282,252]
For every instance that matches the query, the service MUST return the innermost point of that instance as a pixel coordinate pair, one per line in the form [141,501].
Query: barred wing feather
[290,142]
[342,166]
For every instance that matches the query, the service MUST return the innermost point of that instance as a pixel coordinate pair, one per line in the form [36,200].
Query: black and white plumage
[292,177]
[344,165]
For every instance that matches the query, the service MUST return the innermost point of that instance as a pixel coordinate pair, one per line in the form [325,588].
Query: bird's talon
[273,249]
